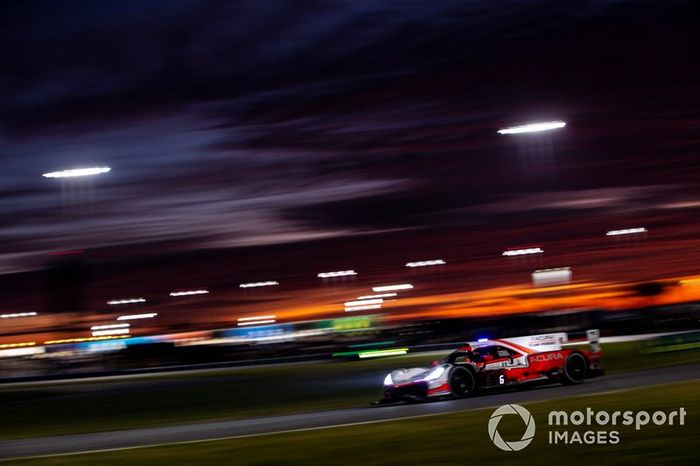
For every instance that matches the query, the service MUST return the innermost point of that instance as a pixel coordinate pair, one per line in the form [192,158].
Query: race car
[484,364]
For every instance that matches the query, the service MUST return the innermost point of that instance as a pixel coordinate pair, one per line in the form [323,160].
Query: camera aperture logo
[580,427]
[528,435]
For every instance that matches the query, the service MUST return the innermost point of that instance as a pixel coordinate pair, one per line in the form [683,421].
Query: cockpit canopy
[486,353]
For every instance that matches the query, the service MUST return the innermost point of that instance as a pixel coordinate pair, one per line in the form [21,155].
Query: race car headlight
[435,374]
[388,380]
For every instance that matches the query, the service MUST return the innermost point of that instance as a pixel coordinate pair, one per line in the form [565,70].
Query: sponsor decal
[496,365]
[546,357]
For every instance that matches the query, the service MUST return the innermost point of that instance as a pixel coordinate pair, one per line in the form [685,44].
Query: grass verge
[448,439]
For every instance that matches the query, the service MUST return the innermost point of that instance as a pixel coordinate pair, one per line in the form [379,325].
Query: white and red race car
[520,361]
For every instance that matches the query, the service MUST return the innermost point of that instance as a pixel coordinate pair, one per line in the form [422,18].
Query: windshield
[460,356]
[475,355]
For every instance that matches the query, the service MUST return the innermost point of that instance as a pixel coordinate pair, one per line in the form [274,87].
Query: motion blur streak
[126,301]
[520,252]
[363,308]
[104,327]
[81,340]
[115,331]
[340,273]
[374,296]
[188,293]
[533,127]
[18,345]
[379,289]
[381,353]
[18,314]
[148,315]
[628,231]
[244,319]
[523,299]
[259,322]
[363,302]
[425,263]
[77,172]
[258,284]
[551,276]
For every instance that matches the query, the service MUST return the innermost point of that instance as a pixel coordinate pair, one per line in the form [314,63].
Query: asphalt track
[124,439]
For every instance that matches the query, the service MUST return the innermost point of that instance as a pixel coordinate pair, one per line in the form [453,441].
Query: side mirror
[434,363]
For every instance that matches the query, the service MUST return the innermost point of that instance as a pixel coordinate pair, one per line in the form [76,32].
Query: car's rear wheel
[575,369]
[462,382]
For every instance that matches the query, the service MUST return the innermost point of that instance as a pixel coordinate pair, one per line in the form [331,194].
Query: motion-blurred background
[267,181]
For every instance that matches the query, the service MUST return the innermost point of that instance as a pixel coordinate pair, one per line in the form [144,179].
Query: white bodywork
[536,343]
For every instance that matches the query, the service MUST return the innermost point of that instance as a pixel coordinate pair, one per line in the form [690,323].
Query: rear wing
[593,337]
[537,343]
[552,341]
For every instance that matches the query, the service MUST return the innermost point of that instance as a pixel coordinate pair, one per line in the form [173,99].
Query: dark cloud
[252,122]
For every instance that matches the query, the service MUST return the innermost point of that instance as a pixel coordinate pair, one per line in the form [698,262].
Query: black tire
[575,369]
[462,382]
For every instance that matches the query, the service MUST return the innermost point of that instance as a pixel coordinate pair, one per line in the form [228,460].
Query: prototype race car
[520,361]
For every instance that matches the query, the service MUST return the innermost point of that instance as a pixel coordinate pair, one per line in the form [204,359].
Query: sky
[252,123]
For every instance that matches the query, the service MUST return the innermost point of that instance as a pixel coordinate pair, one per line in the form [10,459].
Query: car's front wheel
[462,382]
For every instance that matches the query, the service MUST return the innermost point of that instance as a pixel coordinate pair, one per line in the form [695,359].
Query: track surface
[313,420]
